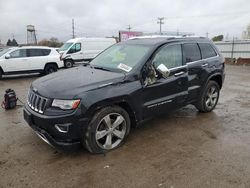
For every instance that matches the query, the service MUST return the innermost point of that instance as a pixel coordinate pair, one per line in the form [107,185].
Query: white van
[82,49]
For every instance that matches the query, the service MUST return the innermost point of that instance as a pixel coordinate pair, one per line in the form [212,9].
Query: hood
[67,84]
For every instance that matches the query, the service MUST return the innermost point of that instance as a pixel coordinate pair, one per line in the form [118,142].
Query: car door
[37,58]
[76,52]
[18,61]
[166,94]
[196,69]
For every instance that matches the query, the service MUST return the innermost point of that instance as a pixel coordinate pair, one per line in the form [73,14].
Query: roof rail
[168,37]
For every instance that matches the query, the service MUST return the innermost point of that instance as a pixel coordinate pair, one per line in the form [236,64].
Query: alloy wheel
[110,131]
[211,97]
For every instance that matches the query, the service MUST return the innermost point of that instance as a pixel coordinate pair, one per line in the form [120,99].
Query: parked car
[83,49]
[29,59]
[95,106]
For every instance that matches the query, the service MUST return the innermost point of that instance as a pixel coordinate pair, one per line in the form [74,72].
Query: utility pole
[232,52]
[73,28]
[207,34]
[129,27]
[160,22]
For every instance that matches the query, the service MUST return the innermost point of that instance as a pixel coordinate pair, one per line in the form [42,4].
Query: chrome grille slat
[36,102]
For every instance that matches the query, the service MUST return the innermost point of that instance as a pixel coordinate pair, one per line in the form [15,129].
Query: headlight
[66,104]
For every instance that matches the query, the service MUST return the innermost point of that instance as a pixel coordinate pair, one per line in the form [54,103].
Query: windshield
[4,51]
[120,57]
[65,46]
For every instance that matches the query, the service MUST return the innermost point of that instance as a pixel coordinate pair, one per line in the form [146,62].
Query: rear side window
[191,52]
[207,50]
[38,52]
[46,52]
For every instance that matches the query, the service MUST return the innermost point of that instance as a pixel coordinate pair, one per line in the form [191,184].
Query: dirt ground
[183,149]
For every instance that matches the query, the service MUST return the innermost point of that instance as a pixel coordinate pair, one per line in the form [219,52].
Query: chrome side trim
[183,66]
[189,63]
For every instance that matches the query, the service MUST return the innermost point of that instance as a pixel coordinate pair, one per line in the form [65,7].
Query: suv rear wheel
[50,69]
[209,97]
[107,130]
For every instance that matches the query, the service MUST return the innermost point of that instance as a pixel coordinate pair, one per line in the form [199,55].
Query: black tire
[209,97]
[50,69]
[68,63]
[1,74]
[99,125]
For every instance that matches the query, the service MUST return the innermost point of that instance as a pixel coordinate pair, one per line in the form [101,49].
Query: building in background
[246,33]
[125,35]
[234,49]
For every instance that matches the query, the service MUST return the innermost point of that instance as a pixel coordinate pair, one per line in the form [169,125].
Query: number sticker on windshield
[124,67]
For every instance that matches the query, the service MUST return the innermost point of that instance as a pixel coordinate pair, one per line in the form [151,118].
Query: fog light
[63,128]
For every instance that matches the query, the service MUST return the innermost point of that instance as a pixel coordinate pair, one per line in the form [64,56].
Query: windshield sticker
[124,67]
[119,57]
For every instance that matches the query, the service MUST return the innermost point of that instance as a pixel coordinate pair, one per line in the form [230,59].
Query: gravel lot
[183,149]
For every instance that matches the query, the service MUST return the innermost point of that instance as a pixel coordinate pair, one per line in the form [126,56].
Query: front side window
[75,48]
[191,52]
[169,55]
[4,51]
[18,53]
[207,50]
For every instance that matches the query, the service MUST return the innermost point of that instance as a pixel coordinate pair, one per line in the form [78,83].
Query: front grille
[36,102]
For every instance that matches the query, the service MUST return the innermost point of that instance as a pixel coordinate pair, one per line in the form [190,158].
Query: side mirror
[7,56]
[163,70]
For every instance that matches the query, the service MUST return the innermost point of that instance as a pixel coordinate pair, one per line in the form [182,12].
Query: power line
[160,22]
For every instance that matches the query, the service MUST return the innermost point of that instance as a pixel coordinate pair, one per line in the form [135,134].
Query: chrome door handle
[204,65]
[179,73]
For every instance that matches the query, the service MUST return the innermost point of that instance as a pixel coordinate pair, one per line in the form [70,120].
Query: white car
[29,59]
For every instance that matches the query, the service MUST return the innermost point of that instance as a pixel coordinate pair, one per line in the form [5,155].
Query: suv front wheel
[209,97]
[107,130]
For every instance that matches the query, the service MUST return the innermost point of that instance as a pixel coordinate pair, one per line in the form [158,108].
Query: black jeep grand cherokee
[95,105]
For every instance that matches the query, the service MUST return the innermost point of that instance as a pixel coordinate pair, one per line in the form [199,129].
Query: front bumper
[44,126]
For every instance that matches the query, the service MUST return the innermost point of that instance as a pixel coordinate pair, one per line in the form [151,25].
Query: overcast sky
[52,18]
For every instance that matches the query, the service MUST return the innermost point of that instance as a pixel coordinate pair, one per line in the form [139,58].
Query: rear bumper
[45,128]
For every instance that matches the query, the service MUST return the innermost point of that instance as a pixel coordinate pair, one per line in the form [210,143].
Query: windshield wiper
[100,68]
